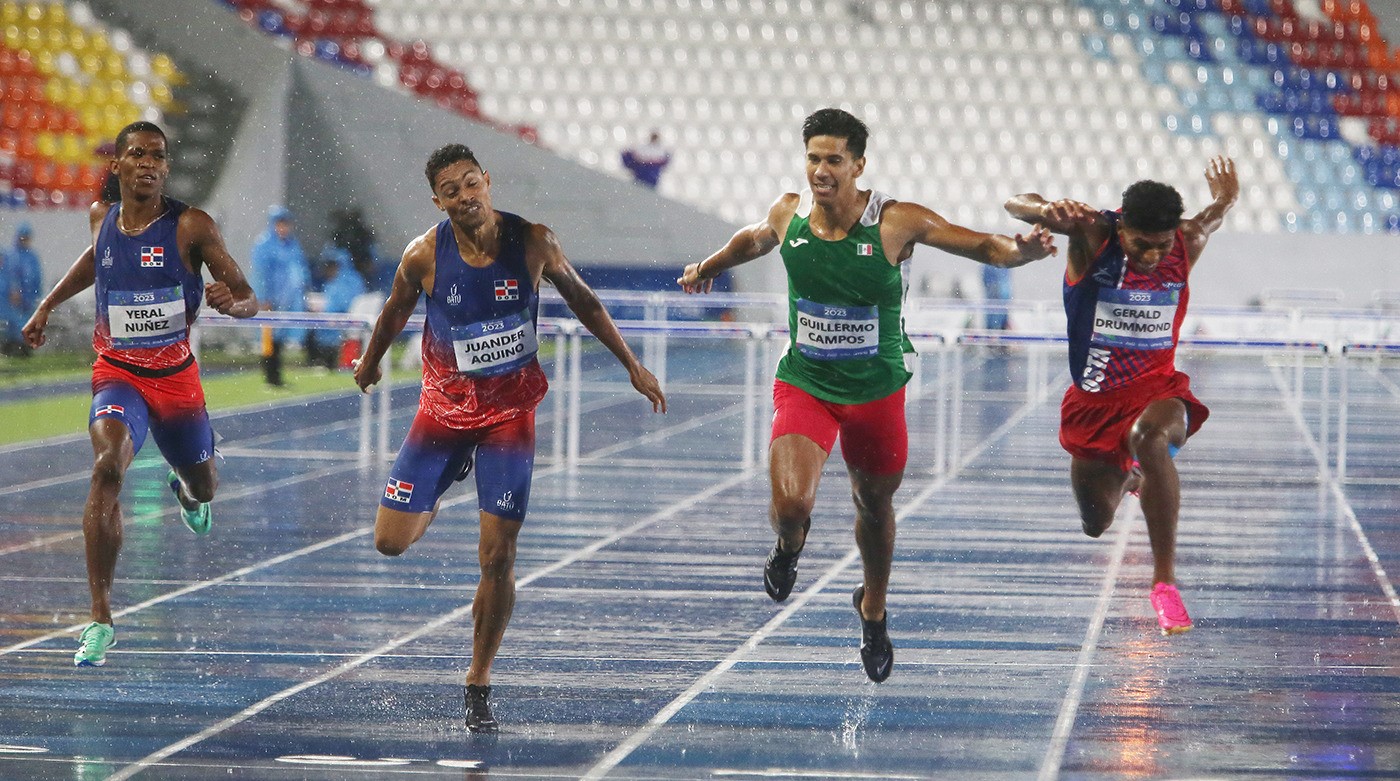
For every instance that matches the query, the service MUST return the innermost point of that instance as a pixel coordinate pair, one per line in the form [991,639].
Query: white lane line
[440,621]
[1074,695]
[792,773]
[226,496]
[258,489]
[1344,504]
[634,741]
[39,542]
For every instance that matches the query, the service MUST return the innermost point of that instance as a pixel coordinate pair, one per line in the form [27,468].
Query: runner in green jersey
[843,373]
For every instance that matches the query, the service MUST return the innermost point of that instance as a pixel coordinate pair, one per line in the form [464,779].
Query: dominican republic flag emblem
[398,491]
[110,409]
[152,257]
[507,290]
[865,249]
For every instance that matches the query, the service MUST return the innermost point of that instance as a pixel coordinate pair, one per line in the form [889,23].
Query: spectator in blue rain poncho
[23,280]
[996,283]
[341,284]
[280,279]
[10,317]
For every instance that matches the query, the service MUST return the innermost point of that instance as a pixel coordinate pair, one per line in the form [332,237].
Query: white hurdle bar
[1378,349]
[762,341]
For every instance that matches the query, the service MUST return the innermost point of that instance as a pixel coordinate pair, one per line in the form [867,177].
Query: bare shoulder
[539,235]
[780,214]
[98,211]
[901,221]
[421,249]
[784,207]
[899,213]
[197,219]
[197,230]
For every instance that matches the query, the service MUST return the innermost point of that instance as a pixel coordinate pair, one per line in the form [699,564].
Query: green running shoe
[93,644]
[197,519]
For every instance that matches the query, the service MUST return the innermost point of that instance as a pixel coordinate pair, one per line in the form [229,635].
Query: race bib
[835,333]
[146,318]
[1135,319]
[495,346]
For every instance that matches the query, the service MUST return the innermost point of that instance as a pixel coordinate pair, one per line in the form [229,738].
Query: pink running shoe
[1171,613]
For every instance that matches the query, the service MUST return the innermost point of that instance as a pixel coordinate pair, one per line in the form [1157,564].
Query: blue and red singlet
[145,374]
[146,298]
[479,342]
[481,382]
[1123,326]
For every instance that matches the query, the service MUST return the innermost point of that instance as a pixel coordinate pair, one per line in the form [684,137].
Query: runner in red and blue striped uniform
[481,271]
[1129,410]
[145,264]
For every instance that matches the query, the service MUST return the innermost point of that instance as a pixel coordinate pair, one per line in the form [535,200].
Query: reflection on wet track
[643,647]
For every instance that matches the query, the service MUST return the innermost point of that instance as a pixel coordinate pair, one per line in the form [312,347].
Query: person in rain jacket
[22,286]
[280,278]
[341,285]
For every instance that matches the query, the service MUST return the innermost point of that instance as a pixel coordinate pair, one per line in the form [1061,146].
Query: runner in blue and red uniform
[1129,410]
[481,271]
[145,262]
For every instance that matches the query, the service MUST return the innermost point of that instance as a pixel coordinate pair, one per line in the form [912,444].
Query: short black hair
[139,126]
[838,124]
[444,156]
[1152,206]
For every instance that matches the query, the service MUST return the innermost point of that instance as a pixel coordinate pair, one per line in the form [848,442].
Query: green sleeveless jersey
[847,340]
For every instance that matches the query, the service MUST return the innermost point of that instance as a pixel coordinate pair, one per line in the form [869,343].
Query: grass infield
[230,382]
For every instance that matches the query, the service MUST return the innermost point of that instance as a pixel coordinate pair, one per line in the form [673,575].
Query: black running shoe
[478,707]
[780,573]
[876,651]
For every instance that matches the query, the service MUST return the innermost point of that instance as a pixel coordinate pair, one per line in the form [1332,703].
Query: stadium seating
[68,85]
[968,101]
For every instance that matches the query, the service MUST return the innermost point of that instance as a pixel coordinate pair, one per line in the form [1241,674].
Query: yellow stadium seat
[162,66]
[162,95]
[115,67]
[47,145]
[55,14]
[73,149]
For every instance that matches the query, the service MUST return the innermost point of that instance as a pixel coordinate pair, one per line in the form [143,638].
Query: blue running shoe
[197,519]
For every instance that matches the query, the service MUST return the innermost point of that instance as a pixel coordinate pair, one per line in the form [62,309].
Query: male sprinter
[481,270]
[145,261]
[1128,410]
[843,373]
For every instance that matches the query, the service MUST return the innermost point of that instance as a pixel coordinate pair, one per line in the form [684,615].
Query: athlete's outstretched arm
[750,243]
[590,311]
[1065,216]
[403,297]
[1081,223]
[906,223]
[1224,191]
[230,292]
[79,277]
